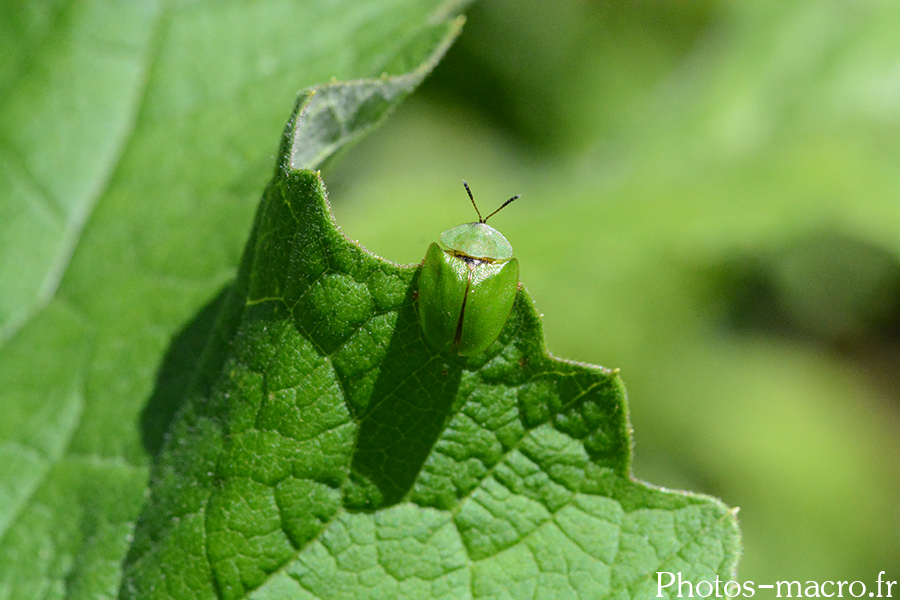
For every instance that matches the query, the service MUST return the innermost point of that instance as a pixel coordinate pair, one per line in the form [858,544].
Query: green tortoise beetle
[466,292]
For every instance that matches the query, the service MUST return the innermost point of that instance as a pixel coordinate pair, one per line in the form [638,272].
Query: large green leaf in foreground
[325,451]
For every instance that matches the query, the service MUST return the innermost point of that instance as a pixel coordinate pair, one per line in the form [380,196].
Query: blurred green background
[711,203]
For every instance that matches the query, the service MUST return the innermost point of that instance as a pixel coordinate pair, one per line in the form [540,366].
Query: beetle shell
[465,299]
[478,240]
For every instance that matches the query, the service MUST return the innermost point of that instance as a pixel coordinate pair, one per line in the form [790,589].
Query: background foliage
[709,202]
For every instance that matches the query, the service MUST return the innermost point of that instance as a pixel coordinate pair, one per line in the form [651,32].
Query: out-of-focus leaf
[134,141]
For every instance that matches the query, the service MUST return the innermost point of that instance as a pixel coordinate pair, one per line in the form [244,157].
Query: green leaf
[331,453]
[134,140]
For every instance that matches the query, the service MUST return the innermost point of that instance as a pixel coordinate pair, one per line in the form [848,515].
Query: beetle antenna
[502,206]
[480,220]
